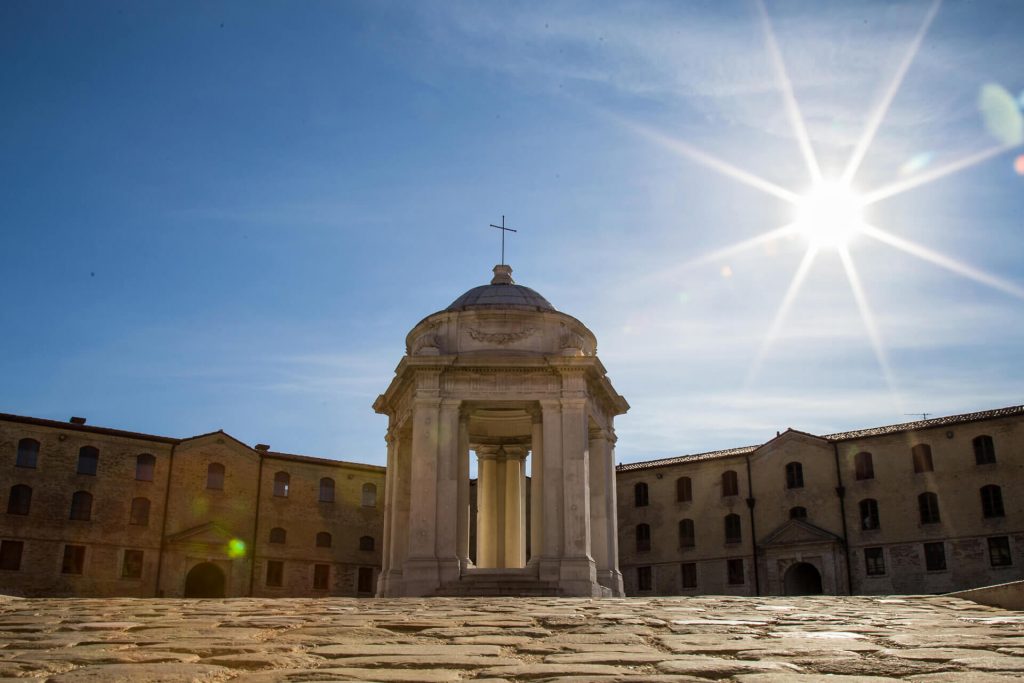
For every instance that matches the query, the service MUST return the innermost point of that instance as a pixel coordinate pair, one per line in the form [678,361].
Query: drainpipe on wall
[255,525]
[163,526]
[841,492]
[753,528]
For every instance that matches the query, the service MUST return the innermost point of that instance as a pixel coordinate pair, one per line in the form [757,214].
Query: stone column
[462,497]
[536,488]
[578,575]
[614,576]
[399,546]
[486,507]
[551,513]
[597,460]
[389,503]
[421,571]
[514,534]
[499,507]
[446,514]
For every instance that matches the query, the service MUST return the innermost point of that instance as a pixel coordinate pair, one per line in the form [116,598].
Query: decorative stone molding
[428,343]
[501,338]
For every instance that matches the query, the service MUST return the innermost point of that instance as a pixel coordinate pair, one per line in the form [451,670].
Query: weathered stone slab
[151,673]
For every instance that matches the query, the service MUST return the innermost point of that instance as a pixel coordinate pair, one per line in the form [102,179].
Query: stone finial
[502,275]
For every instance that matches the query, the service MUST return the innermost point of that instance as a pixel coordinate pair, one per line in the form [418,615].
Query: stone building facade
[102,512]
[922,507]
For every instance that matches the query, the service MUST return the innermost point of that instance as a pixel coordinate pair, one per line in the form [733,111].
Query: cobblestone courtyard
[504,639]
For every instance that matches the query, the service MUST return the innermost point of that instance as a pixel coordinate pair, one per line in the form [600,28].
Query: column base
[612,580]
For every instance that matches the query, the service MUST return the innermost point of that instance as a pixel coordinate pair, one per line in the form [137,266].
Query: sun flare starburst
[830,215]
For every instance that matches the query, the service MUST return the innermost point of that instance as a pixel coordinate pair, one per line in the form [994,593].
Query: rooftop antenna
[924,416]
[503,231]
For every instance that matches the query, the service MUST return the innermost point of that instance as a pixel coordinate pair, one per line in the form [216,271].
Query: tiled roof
[6,417]
[925,424]
[85,428]
[1010,411]
[322,461]
[711,455]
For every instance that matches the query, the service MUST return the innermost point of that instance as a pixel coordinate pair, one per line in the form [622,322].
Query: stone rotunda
[504,375]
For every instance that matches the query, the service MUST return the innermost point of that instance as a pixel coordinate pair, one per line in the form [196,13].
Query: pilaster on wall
[552,515]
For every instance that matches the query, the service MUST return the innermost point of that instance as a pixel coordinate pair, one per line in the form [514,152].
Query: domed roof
[503,292]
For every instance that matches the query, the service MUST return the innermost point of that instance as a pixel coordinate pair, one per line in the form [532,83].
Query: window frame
[641,495]
[928,508]
[138,560]
[644,578]
[27,456]
[136,514]
[863,466]
[216,474]
[992,502]
[984,450]
[282,484]
[367,544]
[73,560]
[874,566]
[321,576]
[88,461]
[327,488]
[19,500]
[934,552]
[684,490]
[687,533]
[794,475]
[320,536]
[274,575]
[278,536]
[81,511]
[735,571]
[798,512]
[145,463]
[734,524]
[642,532]
[16,550]
[870,518]
[921,458]
[688,570]
[730,484]
[1004,550]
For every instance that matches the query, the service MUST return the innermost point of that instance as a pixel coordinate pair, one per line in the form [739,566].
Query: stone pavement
[752,640]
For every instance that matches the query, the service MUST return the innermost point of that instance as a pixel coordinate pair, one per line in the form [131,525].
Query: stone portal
[205,580]
[502,376]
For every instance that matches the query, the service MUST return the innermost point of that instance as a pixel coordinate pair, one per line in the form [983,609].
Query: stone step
[492,586]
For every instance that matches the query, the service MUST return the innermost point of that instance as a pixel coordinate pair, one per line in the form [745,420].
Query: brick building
[101,512]
[922,507]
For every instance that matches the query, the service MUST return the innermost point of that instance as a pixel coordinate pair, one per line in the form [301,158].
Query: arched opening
[803,579]
[204,580]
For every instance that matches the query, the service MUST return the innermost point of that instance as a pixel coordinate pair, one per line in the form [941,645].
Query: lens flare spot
[726,271]
[1001,114]
[830,215]
[236,548]
[1018,165]
[916,163]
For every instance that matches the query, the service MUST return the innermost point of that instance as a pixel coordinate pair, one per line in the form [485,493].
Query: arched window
[928,505]
[869,519]
[140,512]
[992,501]
[863,466]
[81,506]
[730,484]
[684,490]
[323,540]
[733,532]
[366,542]
[686,534]
[984,450]
[643,538]
[88,460]
[922,455]
[326,490]
[28,453]
[282,482]
[640,495]
[369,495]
[278,535]
[215,476]
[145,464]
[798,512]
[794,475]
[20,500]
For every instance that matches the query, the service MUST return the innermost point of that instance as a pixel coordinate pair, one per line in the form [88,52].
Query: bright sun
[830,215]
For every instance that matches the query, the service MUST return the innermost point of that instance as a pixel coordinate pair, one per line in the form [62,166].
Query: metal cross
[503,231]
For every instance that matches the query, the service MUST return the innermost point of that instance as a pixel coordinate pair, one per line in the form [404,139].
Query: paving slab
[511,640]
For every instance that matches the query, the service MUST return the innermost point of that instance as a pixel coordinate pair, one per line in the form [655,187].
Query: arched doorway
[204,580]
[803,579]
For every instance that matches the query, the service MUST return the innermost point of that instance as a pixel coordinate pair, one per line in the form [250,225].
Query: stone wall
[831,537]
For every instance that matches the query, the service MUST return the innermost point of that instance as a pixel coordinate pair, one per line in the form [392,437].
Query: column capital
[514,452]
[597,433]
[487,452]
[536,413]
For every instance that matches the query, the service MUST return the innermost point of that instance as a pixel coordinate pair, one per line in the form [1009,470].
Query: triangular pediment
[798,532]
[210,533]
[791,437]
[219,439]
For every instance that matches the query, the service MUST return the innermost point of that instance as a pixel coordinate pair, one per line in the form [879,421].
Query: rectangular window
[935,556]
[275,573]
[689,574]
[321,576]
[734,569]
[643,578]
[10,555]
[131,566]
[999,551]
[874,561]
[74,559]
[364,581]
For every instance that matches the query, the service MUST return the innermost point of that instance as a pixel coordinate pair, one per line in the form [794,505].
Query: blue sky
[228,215]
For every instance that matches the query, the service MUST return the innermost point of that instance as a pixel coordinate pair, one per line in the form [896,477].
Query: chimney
[77,420]
[262,447]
